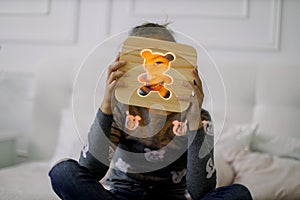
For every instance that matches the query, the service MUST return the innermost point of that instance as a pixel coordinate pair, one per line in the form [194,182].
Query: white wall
[48,39]
[255,31]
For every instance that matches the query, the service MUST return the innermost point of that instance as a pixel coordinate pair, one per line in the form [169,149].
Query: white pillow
[281,145]
[228,145]
[267,176]
[69,143]
[225,174]
[239,137]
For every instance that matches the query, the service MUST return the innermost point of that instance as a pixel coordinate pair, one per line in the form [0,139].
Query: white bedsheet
[27,181]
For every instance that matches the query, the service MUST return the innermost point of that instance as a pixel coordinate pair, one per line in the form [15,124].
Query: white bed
[259,146]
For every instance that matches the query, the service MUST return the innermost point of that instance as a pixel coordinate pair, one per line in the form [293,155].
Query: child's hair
[153,30]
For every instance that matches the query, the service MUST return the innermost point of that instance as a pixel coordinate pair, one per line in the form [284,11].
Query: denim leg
[123,194]
[231,192]
[71,181]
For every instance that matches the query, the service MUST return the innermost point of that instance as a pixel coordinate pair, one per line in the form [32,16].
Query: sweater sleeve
[201,173]
[95,154]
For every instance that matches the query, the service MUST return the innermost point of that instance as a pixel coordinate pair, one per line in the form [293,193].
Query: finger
[116,84]
[189,85]
[197,81]
[116,65]
[197,93]
[197,85]
[198,90]
[115,75]
[111,86]
[113,65]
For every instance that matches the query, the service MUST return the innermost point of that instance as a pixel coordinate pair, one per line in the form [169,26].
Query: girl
[146,156]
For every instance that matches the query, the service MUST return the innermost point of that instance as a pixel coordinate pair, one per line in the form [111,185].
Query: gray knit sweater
[144,149]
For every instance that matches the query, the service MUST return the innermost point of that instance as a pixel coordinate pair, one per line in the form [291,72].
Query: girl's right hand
[113,75]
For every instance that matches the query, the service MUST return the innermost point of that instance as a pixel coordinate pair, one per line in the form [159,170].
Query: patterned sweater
[146,149]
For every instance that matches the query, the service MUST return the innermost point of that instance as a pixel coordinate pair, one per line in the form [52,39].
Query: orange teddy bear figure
[156,64]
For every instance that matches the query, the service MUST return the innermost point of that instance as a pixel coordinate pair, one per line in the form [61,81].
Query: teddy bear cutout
[156,65]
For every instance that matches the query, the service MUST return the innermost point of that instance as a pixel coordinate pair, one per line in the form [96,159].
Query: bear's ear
[170,56]
[137,118]
[146,53]
[175,122]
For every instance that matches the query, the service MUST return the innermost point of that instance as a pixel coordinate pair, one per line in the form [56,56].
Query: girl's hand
[196,100]
[113,75]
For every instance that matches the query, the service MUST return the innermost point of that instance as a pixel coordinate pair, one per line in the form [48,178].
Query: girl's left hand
[196,100]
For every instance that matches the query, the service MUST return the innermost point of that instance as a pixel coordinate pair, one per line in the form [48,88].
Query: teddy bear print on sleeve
[178,175]
[208,127]
[132,122]
[179,128]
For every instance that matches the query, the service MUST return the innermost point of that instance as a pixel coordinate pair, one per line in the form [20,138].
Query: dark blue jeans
[70,181]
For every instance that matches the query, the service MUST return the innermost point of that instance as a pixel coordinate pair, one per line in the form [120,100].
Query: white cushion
[16,104]
[239,83]
[225,174]
[281,145]
[267,176]
[277,107]
[277,111]
[238,137]
[69,142]
[26,181]
[278,120]
[228,145]
[278,85]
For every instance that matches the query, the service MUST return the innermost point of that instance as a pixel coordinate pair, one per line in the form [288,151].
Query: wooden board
[180,70]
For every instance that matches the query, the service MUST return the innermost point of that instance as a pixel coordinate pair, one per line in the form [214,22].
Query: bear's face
[154,155]
[179,128]
[132,122]
[156,63]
